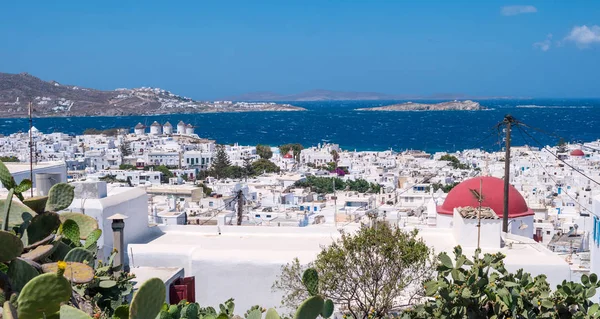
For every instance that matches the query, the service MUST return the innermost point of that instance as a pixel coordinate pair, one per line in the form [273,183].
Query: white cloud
[583,35]
[514,10]
[544,45]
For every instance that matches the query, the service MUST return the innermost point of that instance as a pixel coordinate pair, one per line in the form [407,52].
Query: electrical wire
[547,173]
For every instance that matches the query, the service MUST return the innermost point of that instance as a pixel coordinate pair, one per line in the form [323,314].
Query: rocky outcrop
[466,105]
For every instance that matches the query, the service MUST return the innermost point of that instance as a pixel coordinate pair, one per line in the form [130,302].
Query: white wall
[466,231]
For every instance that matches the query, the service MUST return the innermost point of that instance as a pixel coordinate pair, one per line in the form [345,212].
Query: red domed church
[520,216]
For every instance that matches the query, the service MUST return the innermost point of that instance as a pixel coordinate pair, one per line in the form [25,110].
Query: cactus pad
[92,239]
[24,186]
[15,214]
[122,312]
[310,279]
[42,296]
[11,246]
[310,309]
[43,241]
[327,309]
[39,252]
[80,255]
[6,177]
[272,314]
[8,311]
[20,273]
[60,196]
[60,252]
[254,314]
[70,230]
[86,223]
[41,226]
[72,313]
[37,203]
[148,300]
[190,311]
[77,273]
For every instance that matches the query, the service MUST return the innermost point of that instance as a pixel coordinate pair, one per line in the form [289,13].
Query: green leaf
[585,279]
[24,186]
[445,260]
[547,304]
[510,284]
[6,177]
[590,292]
[310,279]
[593,278]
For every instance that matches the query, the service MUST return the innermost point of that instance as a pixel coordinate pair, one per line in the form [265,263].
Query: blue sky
[213,49]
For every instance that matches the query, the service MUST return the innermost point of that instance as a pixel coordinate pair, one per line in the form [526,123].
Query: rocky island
[466,105]
[50,98]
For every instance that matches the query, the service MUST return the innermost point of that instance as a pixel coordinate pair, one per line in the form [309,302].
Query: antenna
[30,147]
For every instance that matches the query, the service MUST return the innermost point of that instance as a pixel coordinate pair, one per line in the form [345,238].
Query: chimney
[118,223]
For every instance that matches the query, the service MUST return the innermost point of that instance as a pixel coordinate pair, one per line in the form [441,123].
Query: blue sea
[337,122]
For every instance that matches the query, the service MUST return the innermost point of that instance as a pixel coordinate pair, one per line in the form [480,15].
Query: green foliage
[37,203]
[446,188]
[220,163]
[264,151]
[147,301]
[127,167]
[70,230]
[454,162]
[295,147]
[41,226]
[43,295]
[20,272]
[311,308]
[9,159]
[87,224]
[325,185]
[60,197]
[264,165]
[11,246]
[72,313]
[310,279]
[80,255]
[6,177]
[482,288]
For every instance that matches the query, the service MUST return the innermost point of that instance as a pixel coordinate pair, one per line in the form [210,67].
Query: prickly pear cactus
[6,177]
[327,309]
[11,246]
[36,203]
[148,300]
[92,239]
[310,309]
[80,255]
[15,214]
[86,223]
[41,226]
[8,311]
[40,252]
[310,279]
[60,196]
[77,273]
[254,314]
[122,312]
[70,230]
[20,273]
[72,313]
[190,311]
[272,314]
[42,296]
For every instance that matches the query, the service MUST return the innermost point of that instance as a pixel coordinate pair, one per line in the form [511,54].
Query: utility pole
[240,207]
[30,148]
[508,121]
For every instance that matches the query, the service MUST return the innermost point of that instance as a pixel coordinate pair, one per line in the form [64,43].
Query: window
[547,232]
[268,216]
[315,208]
[188,160]
[258,216]
[210,204]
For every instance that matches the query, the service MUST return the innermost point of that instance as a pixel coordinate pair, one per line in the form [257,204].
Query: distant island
[466,105]
[53,99]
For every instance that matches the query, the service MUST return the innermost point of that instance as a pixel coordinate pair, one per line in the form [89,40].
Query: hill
[51,98]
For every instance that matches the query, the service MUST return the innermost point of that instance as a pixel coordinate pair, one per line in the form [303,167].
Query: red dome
[577,153]
[493,197]
[288,155]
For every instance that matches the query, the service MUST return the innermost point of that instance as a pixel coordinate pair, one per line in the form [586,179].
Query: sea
[544,122]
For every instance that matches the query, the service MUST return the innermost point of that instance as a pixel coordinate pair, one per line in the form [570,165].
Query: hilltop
[51,98]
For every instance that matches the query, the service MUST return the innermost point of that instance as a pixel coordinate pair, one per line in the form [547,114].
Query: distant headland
[53,99]
[466,105]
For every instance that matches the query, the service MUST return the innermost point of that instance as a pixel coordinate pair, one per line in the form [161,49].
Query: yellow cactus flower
[62,265]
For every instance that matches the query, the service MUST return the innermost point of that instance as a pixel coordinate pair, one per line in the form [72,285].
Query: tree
[296,149]
[454,162]
[127,167]
[263,165]
[264,151]
[125,149]
[220,163]
[562,145]
[248,169]
[374,272]
[233,171]
[336,156]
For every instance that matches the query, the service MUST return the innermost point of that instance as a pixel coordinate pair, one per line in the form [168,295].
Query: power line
[547,173]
